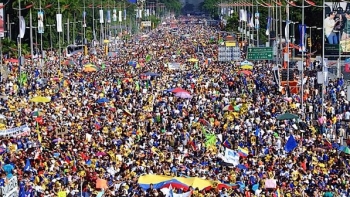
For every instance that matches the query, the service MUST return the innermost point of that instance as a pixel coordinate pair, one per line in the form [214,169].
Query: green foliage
[211,6]
[232,22]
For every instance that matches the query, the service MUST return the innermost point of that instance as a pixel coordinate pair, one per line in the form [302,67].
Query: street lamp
[51,34]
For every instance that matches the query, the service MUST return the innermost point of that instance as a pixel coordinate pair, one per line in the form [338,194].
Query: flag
[268,24]
[97,126]
[286,31]
[59,22]
[40,22]
[148,57]
[84,19]
[22,78]
[137,84]
[22,25]
[242,152]
[257,131]
[257,23]
[132,1]
[120,16]
[291,144]
[302,31]
[27,167]
[101,16]
[108,16]
[124,15]
[251,22]
[114,15]
[227,144]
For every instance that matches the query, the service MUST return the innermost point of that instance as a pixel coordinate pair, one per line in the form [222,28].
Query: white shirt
[328,25]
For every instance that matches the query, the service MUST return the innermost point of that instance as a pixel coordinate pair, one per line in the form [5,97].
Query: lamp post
[51,34]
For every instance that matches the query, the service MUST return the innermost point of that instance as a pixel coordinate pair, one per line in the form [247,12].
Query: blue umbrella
[102,100]
[335,145]
[152,74]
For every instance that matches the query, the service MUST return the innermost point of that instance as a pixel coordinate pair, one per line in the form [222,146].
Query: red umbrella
[245,72]
[177,90]
[12,60]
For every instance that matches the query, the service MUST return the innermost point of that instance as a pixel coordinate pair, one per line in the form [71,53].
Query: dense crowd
[95,124]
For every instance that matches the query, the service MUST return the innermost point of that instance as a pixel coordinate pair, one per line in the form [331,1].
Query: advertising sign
[2,20]
[337,29]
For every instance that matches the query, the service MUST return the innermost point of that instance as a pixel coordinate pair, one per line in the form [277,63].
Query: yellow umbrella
[40,99]
[89,69]
[89,65]
[192,60]
[247,67]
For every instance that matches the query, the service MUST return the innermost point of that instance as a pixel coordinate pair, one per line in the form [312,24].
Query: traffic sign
[260,53]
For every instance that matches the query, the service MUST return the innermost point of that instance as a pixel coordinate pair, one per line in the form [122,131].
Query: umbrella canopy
[345,149]
[287,116]
[177,90]
[40,99]
[102,100]
[184,95]
[246,63]
[89,69]
[88,65]
[247,67]
[12,60]
[152,74]
[193,60]
[68,62]
[228,108]
[245,72]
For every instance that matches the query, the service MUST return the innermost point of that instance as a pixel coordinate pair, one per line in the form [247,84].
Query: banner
[84,19]
[286,31]
[257,23]
[337,36]
[108,16]
[2,21]
[40,22]
[120,16]
[22,27]
[101,16]
[268,24]
[114,15]
[10,189]
[59,22]
[17,131]
[302,31]
[231,157]
[124,15]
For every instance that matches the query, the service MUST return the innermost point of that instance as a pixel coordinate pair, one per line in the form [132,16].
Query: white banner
[120,16]
[101,16]
[59,22]
[22,25]
[114,15]
[40,22]
[10,189]
[231,157]
[17,131]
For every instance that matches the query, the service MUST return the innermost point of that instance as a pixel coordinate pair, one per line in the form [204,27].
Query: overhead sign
[146,24]
[260,53]
[229,53]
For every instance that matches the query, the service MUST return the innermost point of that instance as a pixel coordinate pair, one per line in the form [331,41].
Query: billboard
[2,20]
[336,25]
